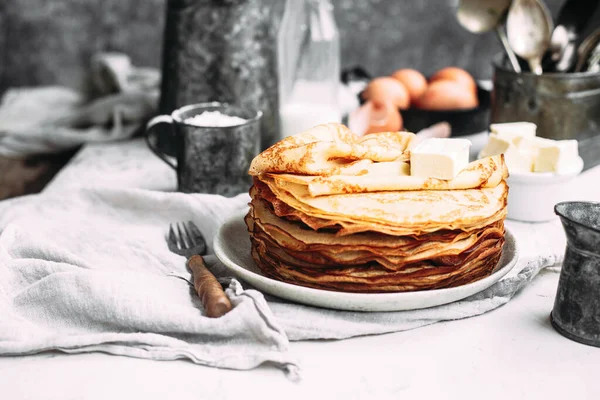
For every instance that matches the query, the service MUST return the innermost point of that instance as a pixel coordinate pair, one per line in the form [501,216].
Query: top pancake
[330,159]
[330,149]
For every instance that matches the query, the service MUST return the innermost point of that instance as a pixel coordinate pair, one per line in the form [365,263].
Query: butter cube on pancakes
[336,211]
[439,158]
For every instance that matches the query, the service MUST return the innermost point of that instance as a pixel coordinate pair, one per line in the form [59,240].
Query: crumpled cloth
[89,270]
[50,119]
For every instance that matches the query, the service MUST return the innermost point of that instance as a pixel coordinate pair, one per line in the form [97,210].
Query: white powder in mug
[214,118]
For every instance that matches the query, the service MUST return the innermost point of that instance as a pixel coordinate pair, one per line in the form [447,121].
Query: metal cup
[210,159]
[576,312]
[563,106]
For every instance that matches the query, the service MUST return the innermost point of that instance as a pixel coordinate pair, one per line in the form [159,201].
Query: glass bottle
[308,61]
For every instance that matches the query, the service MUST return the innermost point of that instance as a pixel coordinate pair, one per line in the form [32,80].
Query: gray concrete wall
[46,42]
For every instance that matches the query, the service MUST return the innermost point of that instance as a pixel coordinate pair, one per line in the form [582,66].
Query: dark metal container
[462,122]
[576,312]
[562,105]
[220,50]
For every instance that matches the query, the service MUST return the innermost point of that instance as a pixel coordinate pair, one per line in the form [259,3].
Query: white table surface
[509,353]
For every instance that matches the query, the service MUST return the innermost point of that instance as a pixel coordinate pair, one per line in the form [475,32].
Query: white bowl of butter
[539,169]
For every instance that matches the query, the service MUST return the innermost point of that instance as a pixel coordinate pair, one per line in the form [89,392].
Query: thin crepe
[390,260]
[372,277]
[403,212]
[393,251]
[301,238]
[330,149]
[395,176]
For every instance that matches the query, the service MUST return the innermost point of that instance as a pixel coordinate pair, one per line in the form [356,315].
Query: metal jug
[576,312]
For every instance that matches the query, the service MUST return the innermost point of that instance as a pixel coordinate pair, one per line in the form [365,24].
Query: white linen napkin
[50,119]
[89,270]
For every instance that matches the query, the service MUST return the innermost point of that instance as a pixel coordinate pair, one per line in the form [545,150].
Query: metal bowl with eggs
[462,121]
[416,102]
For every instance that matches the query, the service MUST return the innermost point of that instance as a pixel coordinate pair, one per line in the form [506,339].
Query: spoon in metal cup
[585,51]
[529,28]
[572,20]
[479,16]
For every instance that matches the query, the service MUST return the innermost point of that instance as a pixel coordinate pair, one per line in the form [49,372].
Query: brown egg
[414,81]
[383,117]
[457,75]
[386,89]
[447,95]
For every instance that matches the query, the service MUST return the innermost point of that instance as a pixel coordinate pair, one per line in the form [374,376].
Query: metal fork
[185,239]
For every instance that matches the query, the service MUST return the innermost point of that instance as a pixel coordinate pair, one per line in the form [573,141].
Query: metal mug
[576,311]
[210,159]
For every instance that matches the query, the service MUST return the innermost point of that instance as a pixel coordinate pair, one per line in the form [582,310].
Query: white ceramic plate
[232,247]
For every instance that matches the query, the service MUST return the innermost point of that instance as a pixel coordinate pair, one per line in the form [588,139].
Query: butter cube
[531,145]
[514,131]
[515,160]
[495,145]
[525,152]
[518,161]
[439,158]
[557,156]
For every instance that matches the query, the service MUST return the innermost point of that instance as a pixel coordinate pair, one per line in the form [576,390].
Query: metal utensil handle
[509,51]
[150,128]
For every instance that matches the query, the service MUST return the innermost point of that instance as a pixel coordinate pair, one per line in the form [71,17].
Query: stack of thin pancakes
[336,211]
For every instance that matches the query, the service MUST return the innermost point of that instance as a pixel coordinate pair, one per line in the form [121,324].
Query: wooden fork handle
[213,298]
